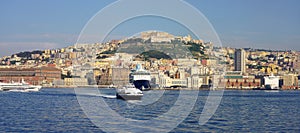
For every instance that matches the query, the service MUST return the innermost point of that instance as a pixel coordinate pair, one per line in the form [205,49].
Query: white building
[156,36]
[191,82]
[75,82]
[194,82]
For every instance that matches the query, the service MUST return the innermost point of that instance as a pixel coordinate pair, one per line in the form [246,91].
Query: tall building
[239,60]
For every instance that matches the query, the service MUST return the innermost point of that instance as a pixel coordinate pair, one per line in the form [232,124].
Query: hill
[153,54]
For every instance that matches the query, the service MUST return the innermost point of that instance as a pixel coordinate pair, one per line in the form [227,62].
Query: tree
[154,54]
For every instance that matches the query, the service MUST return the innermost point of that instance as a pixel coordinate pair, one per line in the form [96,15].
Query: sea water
[57,110]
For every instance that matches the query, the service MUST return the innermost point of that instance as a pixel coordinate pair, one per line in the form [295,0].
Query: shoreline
[175,89]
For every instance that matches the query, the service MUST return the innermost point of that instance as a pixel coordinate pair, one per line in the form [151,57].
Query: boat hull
[267,89]
[142,85]
[20,88]
[129,97]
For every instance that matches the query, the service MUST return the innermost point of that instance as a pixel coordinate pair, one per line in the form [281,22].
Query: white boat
[19,87]
[129,92]
[268,88]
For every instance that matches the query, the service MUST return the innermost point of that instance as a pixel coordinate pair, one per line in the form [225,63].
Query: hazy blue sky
[41,24]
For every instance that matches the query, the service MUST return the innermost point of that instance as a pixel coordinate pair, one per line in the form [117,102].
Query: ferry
[19,87]
[140,78]
[268,88]
[129,92]
[271,83]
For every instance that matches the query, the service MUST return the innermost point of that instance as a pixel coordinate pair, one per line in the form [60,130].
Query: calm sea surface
[57,110]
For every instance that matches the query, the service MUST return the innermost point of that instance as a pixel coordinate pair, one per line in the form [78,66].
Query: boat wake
[99,95]
[108,96]
[271,91]
[18,91]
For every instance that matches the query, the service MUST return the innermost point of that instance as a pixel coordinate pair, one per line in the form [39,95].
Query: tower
[239,60]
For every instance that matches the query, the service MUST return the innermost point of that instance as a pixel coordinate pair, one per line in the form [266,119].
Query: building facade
[290,81]
[34,76]
[75,82]
[120,76]
[240,82]
[240,60]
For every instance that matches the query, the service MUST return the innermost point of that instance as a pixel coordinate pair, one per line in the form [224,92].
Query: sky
[37,25]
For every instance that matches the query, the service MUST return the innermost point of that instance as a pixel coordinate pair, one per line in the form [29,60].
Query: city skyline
[31,25]
[150,66]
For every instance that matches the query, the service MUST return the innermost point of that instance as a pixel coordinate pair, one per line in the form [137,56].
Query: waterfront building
[240,82]
[105,78]
[216,82]
[180,80]
[75,82]
[194,82]
[16,75]
[34,76]
[120,76]
[58,82]
[205,80]
[154,78]
[290,81]
[239,60]
[48,74]
[167,82]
